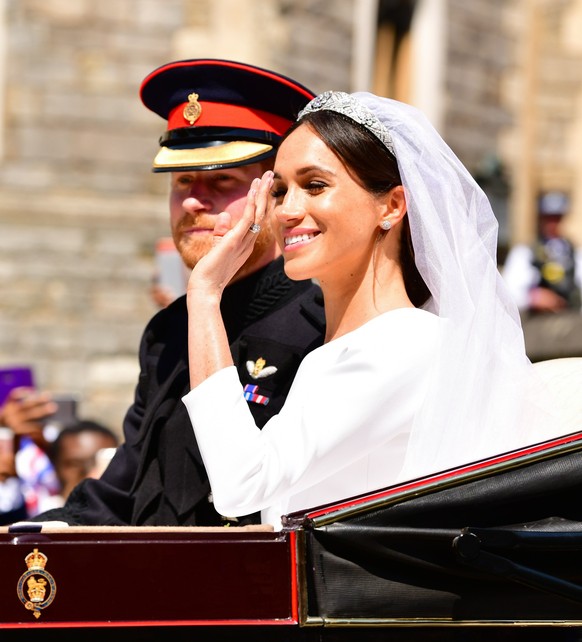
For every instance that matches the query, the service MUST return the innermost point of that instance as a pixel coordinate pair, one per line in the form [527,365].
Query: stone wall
[543,91]
[513,89]
[317,44]
[80,210]
[73,123]
[479,52]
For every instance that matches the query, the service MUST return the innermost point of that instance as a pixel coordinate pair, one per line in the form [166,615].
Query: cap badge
[257,369]
[193,109]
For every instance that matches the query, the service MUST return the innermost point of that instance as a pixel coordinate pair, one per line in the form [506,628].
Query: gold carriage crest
[38,584]
[193,109]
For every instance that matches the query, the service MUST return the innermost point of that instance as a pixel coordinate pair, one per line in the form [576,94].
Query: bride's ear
[394,207]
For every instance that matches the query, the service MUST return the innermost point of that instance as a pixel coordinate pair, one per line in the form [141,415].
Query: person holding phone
[77,451]
[12,506]
[25,411]
[28,480]
[225,120]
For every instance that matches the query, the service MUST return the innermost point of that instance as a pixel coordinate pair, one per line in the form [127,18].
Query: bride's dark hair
[370,163]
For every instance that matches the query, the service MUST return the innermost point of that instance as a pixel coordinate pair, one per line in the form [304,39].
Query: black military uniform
[157,476]
[220,114]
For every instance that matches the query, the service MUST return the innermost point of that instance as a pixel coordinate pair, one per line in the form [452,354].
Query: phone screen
[66,410]
[15,377]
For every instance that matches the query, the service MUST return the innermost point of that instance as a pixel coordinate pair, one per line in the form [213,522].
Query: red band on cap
[222,115]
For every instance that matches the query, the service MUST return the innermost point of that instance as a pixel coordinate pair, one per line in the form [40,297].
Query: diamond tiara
[347,105]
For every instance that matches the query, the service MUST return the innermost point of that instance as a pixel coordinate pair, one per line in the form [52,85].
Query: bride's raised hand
[232,244]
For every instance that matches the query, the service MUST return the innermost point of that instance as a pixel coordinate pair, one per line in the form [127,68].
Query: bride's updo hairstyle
[374,167]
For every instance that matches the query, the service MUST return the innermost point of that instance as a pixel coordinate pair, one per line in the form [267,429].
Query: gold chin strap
[236,151]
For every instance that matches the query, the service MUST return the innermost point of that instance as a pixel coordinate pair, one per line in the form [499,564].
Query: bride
[424,365]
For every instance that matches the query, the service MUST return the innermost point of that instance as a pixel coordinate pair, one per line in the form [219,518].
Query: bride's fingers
[248,217]
[262,197]
[222,225]
[255,208]
[257,203]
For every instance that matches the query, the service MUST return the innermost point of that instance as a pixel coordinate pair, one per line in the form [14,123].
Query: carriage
[492,548]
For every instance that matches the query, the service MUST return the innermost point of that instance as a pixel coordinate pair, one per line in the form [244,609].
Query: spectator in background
[28,482]
[12,506]
[161,295]
[82,451]
[171,274]
[546,277]
[36,474]
[25,412]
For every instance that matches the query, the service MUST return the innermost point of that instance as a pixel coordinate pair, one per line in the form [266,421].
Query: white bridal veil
[484,398]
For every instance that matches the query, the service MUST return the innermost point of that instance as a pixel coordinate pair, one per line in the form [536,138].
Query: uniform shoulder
[173,316]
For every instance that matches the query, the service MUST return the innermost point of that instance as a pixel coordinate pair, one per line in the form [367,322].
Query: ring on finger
[255,228]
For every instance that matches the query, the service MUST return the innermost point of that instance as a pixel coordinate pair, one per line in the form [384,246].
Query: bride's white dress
[343,429]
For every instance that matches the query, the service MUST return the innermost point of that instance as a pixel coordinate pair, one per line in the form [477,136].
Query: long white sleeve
[341,432]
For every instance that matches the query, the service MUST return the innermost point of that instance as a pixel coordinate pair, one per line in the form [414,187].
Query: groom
[225,121]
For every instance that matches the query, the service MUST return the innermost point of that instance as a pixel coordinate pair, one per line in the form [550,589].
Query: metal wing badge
[259,369]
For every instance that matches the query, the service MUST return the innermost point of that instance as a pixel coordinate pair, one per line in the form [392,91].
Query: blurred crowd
[546,277]
[43,457]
